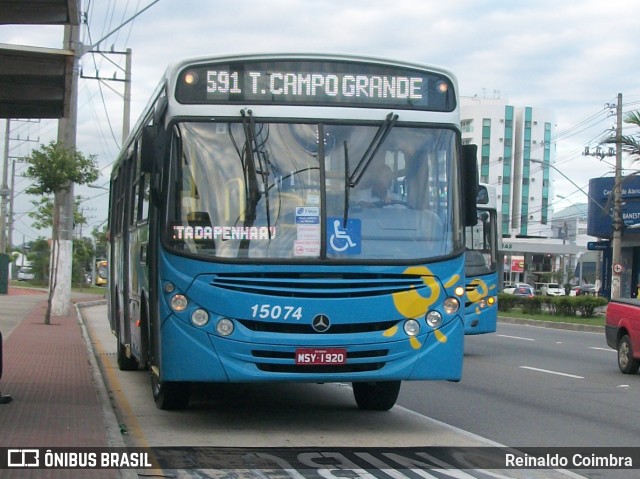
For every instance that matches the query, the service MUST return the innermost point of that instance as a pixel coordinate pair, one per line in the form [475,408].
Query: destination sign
[316,83]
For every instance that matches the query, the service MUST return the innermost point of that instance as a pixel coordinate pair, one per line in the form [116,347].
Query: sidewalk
[52,378]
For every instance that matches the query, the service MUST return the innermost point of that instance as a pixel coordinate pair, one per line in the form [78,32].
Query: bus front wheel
[170,395]
[376,396]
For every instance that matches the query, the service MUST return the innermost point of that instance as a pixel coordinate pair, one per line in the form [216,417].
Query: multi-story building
[515,148]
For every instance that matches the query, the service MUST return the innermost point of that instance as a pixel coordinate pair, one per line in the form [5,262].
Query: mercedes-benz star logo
[321,323]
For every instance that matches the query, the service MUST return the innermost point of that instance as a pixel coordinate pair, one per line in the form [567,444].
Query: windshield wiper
[264,172]
[249,167]
[372,149]
[251,146]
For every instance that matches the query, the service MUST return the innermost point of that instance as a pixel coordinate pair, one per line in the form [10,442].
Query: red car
[622,330]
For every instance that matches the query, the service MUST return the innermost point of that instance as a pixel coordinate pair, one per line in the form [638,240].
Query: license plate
[315,356]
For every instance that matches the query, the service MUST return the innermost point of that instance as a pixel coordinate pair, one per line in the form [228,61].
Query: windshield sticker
[196,233]
[307,241]
[308,232]
[313,199]
[307,215]
[344,240]
[306,248]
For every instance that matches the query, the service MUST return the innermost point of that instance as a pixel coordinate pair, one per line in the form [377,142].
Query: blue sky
[571,56]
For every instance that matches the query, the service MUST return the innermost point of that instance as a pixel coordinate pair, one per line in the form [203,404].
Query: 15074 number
[275,311]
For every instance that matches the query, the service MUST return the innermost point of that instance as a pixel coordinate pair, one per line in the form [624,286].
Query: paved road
[530,386]
[243,415]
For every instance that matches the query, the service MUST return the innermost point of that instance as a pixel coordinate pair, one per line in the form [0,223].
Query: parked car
[525,290]
[588,289]
[25,274]
[550,289]
[510,286]
[622,330]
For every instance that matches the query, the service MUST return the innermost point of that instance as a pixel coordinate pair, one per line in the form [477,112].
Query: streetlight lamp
[573,183]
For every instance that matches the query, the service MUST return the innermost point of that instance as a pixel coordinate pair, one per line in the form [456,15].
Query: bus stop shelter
[35,82]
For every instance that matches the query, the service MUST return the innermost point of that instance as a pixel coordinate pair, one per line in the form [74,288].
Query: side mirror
[153,136]
[469,169]
[148,148]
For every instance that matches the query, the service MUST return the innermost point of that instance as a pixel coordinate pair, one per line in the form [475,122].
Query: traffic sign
[617,268]
[598,245]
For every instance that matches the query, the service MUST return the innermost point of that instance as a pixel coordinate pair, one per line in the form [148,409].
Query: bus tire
[125,363]
[626,362]
[170,395]
[376,396]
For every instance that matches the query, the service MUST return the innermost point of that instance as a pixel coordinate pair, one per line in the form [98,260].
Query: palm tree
[631,144]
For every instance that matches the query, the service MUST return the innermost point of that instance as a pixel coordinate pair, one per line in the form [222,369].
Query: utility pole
[126,114]
[62,252]
[126,96]
[618,224]
[4,191]
[616,242]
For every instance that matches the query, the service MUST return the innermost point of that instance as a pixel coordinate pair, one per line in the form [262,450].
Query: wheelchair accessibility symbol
[344,240]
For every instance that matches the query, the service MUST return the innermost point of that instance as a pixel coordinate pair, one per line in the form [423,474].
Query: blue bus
[481,266]
[292,218]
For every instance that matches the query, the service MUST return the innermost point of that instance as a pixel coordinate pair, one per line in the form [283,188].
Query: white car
[25,274]
[552,289]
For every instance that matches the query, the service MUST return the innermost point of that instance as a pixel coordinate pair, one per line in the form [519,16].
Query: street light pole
[533,160]
[616,242]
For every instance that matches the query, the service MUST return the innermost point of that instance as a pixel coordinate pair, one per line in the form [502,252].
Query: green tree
[43,215]
[100,239]
[39,255]
[53,169]
[631,144]
[83,254]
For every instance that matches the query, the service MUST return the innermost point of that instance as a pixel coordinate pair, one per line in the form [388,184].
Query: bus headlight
[199,317]
[451,305]
[482,303]
[434,319]
[411,327]
[224,327]
[491,300]
[178,302]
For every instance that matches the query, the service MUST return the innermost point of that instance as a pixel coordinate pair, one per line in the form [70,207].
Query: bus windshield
[312,191]
[481,255]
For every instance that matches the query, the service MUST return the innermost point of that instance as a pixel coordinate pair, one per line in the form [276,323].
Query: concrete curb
[114,436]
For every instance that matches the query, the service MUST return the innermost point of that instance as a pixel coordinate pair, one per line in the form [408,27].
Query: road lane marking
[603,349]
[552,372]
[515,337]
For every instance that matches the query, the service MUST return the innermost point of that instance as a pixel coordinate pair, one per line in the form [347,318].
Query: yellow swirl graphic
[440,336]
[391,332]
[452,282]
[481,291]
[412,304]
